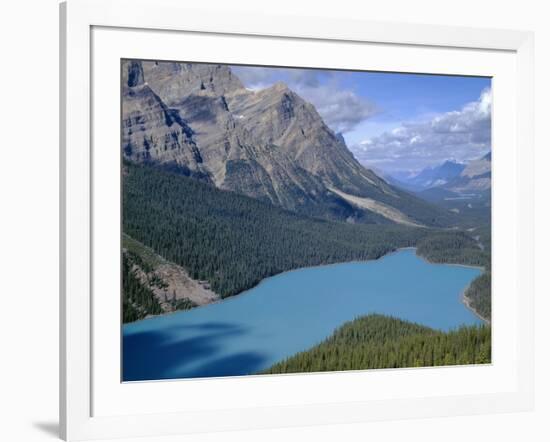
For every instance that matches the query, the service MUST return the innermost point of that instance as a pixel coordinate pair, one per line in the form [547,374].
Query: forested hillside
[479,295]
[138,300]
[377,341]
[150,282]
[453,247]
[233,241]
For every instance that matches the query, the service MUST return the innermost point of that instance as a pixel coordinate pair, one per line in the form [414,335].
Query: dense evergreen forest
[140,278]
[233,241]
[479,295]
[454,248]
[138,301]
[377,341]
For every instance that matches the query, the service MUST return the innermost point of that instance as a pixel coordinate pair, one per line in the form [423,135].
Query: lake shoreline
[463,297]
[229,298]
[466,301]
[292,313]
[392,252]
[468,266]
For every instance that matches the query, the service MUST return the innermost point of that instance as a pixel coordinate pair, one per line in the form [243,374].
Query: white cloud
[307,77]
[252,77]
[342,109]
[464,135]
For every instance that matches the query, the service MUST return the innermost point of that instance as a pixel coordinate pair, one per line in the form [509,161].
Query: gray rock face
[175,81]
[281,118]
[270,144]
[154,133]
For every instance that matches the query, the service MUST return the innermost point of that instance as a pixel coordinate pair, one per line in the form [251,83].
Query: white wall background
[29,230]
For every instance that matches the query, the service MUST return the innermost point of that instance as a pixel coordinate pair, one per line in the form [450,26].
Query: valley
[463,189]
[233,242]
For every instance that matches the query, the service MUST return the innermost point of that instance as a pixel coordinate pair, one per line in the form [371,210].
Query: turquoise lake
[292,312]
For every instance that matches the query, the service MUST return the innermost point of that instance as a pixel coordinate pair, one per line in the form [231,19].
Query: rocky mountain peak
[270,144]
[279,86]
[174,81]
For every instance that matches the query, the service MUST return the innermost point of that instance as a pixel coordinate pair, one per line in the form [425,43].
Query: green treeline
[377,341]
[453,247]
[138,301]
[479,295]
[459,248]
[234,241]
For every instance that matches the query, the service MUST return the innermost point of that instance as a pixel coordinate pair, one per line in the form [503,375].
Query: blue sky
[393,122]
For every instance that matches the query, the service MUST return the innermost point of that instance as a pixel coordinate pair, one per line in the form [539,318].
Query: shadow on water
[155,355]
[213,326]
[235,365]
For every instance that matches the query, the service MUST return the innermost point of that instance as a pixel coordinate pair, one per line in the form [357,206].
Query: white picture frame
[90,408]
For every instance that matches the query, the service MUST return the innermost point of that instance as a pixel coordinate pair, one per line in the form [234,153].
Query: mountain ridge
[269,144]
[428,177]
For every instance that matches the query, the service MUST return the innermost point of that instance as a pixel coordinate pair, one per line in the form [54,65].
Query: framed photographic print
[289,221]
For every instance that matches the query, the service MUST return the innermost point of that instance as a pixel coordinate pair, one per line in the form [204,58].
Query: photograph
[288,219]
[270,222]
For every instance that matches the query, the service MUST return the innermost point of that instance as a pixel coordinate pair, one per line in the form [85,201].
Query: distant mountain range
[468,194]
[475,178]
[428,177]
[450,178]
[200,121]
[464,189]
[473,181]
